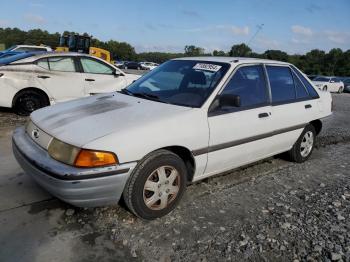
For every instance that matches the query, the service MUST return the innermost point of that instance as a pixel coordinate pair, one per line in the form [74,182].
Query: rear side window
[249,84]
[65,64]
[282,84]
[43,63]
[309,87]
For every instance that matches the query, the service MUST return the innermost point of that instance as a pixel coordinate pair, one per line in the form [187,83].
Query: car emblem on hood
[35,133]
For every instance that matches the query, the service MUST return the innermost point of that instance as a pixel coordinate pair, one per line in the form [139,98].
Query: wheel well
[317,124]
[30,89]
[187,157]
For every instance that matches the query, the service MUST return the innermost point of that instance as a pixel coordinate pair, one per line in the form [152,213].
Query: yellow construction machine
[81,44]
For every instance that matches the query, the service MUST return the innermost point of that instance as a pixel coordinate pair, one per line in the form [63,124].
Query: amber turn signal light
[90,158]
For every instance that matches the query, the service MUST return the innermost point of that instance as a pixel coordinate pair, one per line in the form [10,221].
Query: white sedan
[30,81]
[148,65]
[331,84]
[190,119]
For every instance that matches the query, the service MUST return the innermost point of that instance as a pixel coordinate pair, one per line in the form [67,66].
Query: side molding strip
[213,148]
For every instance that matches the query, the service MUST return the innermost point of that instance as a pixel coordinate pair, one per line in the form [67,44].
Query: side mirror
[116,73]
[229,100]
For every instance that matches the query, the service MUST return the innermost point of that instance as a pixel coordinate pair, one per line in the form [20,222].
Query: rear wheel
[324,88]
[28,101]
[340,90]
[156,185]
[304,146]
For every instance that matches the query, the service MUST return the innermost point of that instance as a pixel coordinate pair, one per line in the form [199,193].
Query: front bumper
[84,187]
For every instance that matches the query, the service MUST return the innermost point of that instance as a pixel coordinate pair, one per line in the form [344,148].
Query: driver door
[240,135]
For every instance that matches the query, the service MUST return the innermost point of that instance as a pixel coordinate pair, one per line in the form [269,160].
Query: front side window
[249,84]
[64,64]
[282,84]
[180,82]
[95,67]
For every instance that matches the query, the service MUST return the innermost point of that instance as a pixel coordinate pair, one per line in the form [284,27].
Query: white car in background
[39,80]
[29,48]
[190,119]
[148,65]
[327,83]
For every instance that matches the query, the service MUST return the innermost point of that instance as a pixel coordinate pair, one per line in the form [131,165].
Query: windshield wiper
[126,91]
[146,95]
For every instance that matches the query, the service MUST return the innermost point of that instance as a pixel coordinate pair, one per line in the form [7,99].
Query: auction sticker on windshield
[208,67]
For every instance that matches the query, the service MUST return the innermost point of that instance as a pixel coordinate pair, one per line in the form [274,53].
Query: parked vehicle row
[32,80]
[136,65]
[190,119]
[331,84]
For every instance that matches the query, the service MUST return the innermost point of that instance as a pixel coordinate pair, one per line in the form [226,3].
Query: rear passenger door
[292,106]
[60,77]
[238,135]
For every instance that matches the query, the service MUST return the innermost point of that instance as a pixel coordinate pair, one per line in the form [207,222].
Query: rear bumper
[77,186]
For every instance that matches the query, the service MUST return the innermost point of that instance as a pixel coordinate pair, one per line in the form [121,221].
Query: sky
[294,26]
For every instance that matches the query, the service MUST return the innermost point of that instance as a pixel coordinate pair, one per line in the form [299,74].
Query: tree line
[317,62]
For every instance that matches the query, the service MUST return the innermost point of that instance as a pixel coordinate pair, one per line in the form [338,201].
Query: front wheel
[304,146]
[324,88]
[156,185]
[340,90]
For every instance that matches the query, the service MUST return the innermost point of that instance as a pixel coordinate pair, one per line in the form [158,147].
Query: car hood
[81,121]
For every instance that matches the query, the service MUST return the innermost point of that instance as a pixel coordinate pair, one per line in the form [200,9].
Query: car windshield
[321,79]
[11,59]
[180,82]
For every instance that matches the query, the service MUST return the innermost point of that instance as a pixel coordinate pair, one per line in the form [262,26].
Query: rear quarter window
[309,87]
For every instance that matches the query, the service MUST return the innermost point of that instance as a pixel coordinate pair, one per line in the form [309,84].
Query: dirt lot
[271,211]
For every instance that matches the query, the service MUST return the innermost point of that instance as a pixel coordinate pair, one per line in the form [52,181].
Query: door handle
[308,106]
[261,115]
[43,77]
[89,79]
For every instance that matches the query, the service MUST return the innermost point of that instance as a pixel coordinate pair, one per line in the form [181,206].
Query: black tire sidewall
[38,100]
[142,173]
[297,146]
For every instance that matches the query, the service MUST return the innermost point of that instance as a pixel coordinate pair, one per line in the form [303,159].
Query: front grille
[38,136]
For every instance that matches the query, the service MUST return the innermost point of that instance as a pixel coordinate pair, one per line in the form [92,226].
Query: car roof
[232,60]
[49,54]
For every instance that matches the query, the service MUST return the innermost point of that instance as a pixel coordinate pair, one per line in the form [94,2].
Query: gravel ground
[274,210]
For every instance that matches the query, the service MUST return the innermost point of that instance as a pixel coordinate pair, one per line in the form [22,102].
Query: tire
[155,170]
[300,153]
[340,90]
[28,101]
[138,68]
[324,88]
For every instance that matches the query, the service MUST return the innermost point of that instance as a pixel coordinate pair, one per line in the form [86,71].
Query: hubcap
[306,144]
[161,187]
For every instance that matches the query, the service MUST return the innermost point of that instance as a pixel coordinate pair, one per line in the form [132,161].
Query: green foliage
[318,62]
[241,50]
[219,53]
[191,50]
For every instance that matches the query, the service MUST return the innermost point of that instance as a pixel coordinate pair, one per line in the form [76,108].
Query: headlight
[63,152]
[78,157]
